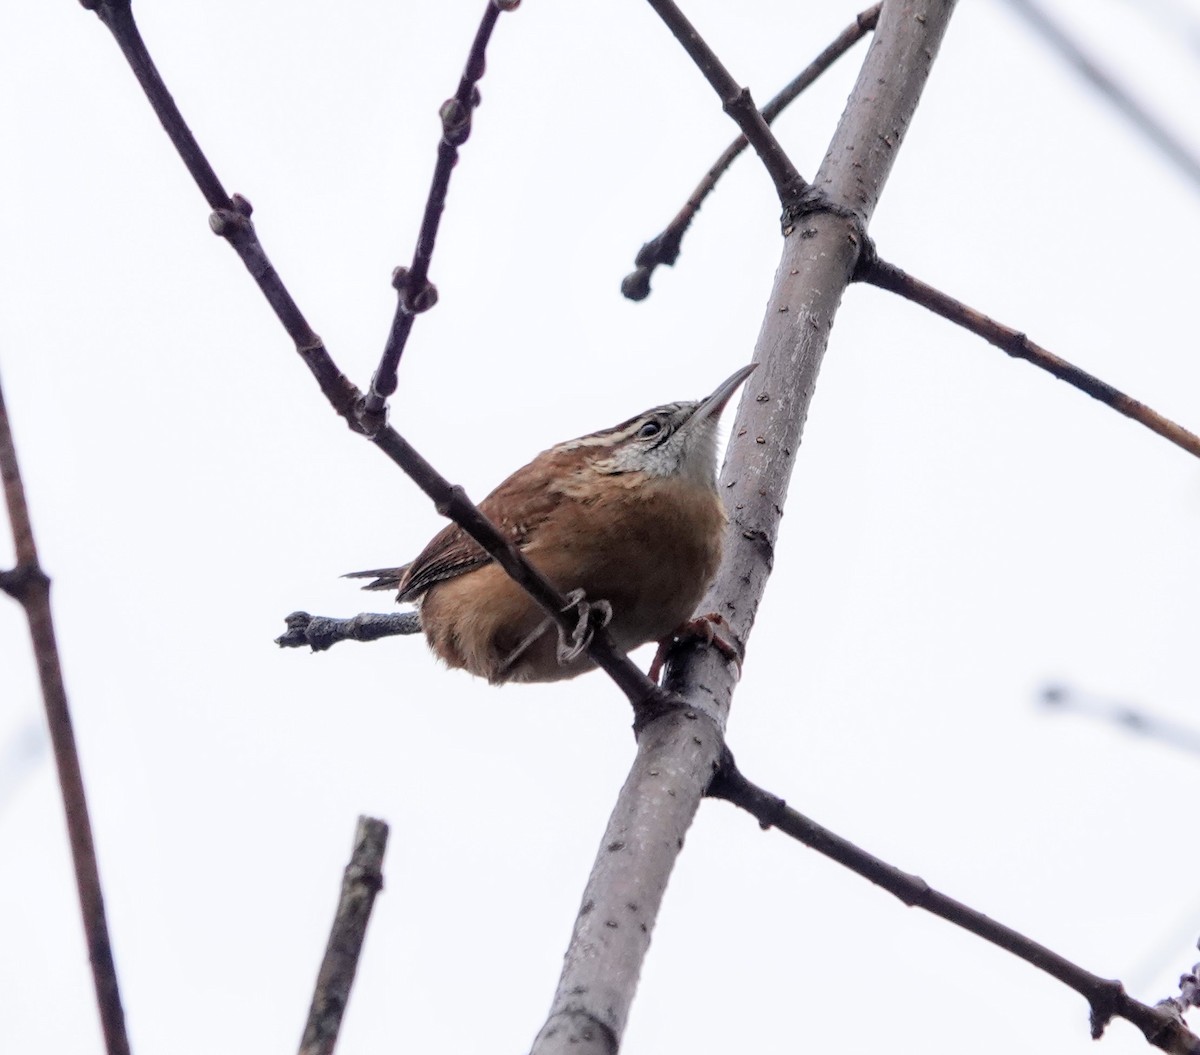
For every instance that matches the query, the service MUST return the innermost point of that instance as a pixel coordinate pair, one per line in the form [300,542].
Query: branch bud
[456,122]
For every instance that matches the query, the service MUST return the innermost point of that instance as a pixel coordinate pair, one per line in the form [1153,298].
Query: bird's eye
[651,428]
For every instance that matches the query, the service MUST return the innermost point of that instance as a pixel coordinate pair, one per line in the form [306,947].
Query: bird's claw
[592,615]
[702,629]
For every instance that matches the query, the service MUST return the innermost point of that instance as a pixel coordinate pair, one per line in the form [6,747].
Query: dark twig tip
[636,285]
[297,634]
[506,5]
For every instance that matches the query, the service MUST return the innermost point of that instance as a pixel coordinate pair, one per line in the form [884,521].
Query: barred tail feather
[385,578]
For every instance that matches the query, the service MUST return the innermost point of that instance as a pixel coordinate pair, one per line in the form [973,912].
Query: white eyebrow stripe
[600,439]
[608,437]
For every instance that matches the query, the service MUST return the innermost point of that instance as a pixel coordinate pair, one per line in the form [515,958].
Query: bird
[627,522]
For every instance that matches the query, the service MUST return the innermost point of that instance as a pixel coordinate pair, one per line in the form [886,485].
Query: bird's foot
[592,615]
[702,629]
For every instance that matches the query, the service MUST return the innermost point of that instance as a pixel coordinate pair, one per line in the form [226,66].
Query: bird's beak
[714,404]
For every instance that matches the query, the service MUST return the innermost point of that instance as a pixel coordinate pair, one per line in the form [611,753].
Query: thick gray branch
[677,758]
[820,252]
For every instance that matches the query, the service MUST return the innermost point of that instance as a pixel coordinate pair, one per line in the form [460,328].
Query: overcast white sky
[961,528]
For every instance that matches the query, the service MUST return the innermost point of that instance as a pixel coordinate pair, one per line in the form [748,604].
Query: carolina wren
[628,517]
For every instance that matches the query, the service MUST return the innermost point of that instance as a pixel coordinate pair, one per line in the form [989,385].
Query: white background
[962,528]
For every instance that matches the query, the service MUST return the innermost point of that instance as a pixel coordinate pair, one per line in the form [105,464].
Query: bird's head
[676,439]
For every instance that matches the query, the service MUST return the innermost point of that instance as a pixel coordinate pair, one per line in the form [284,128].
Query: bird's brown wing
[517,507]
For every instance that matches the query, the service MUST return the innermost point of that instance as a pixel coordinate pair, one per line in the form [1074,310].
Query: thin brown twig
[117,15]
[736,102]
[887,276]
[363,879]
[664,247]
[231,215]
[231,220]
[414,292]
[1163,1025]
[30,586]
